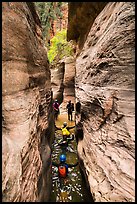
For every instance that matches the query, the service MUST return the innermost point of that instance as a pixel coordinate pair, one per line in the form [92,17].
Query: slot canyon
[100,76]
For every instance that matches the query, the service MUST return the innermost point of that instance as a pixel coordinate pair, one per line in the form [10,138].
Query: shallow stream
[73,188]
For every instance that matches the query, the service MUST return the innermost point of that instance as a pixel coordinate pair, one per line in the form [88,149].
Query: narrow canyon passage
[74,187]
[78,51]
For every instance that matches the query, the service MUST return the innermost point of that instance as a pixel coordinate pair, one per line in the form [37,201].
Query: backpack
[65,131]
[62,169]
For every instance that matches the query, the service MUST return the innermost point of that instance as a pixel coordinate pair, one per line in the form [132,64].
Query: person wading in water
[63,166]
[65,130]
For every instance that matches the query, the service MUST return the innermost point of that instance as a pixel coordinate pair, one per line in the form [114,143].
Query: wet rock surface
[26,106]
[105,87]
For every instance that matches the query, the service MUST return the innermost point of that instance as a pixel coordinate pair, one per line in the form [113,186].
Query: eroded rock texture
[57,80]
[63,81]
[26,112]
[69,82]
[105,87]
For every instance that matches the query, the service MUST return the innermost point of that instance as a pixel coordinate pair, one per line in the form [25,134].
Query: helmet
[62,158]
[65,124]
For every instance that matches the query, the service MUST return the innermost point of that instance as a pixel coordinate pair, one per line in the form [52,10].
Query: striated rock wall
[26,106]
[57,80]
[69,82]
[63,81]
[105,87]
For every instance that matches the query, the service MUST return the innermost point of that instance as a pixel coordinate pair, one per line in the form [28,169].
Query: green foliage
[47,12]
[59,47]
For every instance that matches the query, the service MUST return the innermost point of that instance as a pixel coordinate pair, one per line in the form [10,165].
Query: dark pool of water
[72,188]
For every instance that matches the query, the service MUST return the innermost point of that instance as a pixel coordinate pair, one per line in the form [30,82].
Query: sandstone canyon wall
[57,80]
[63,81]
[105,87]
[68,82]
[26,106]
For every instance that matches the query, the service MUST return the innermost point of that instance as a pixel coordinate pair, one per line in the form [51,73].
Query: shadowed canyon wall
[81,16]
[26,106]
[105,87]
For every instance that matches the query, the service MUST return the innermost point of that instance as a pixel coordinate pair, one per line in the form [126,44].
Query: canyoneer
[70,109]
[65,130]
[63,176]
[56,109]
[63,166]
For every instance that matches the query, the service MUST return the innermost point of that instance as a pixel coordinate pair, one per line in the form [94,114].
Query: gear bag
[65,131]
[62,171]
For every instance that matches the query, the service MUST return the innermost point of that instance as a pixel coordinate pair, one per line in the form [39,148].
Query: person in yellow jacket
[65,130]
